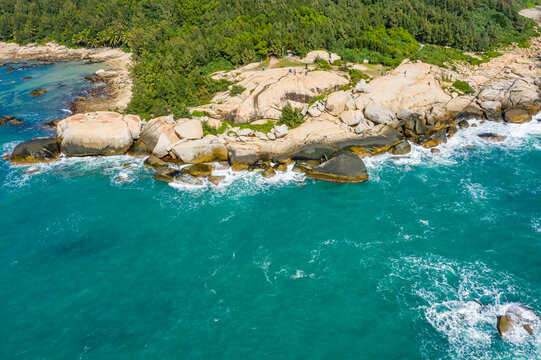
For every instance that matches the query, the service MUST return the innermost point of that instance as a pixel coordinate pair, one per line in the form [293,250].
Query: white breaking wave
[461,303]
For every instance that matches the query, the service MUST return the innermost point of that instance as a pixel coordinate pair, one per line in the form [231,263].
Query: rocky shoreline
[116,92]
[342,122]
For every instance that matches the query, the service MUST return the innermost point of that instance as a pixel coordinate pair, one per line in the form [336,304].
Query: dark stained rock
[430,143]
[199,170]
[463,124]
[139,149]
[314,152]
[38,150]
[10,68]
[216,179]
[38,92]
[269,173]
[345,167]
[17,121]
[401,148]
[4,120]
[167,174]
[517,116]
[155,162]
[492,137]
[368,146]
[280,167]
[435,151]
[472,111]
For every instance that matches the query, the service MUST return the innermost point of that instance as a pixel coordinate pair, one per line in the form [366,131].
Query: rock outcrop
[38,150]
[345,167]
[99,133]
[200,151]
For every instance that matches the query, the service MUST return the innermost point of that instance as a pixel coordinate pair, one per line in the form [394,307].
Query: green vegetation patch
[463,86]
[291,117]
[236,90]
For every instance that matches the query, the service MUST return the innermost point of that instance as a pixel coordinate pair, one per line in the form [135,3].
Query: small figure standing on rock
[406,75]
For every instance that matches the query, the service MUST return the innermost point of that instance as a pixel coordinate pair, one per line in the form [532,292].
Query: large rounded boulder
[344,168]
[98,133]
[200,151]
[39,150]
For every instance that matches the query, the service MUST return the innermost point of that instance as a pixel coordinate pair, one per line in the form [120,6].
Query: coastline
[117,90]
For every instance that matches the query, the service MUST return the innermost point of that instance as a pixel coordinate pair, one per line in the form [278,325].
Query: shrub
[236,90]
[322,64]
[197,113]
[291,117]
[317,98]
[524,44]
[463,86]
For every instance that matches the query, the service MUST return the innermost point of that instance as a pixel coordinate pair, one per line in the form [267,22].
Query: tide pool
[416,263]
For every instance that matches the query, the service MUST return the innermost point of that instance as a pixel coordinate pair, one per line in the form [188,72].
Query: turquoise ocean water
[416,263]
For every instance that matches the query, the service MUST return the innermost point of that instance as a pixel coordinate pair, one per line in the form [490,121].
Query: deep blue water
[92,268]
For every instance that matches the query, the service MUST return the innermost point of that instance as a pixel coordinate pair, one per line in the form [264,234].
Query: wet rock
[430,143]
[155,162]
[345,167]
[38,150]
[371,145]
[269,173]
[463,124]
[280,167]
[216,179]
[199,170]
[17,121]
[243,156]
[38,92]
[31,171]
[4,120]
[167,174]
[435,151]
[401,148]
[27,77]
[517,116]
[492,137]
[139,149]
[517,319]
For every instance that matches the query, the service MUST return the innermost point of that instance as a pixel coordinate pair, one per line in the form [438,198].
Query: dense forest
[177,43]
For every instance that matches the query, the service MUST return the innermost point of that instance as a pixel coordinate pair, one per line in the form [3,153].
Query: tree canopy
[177,43]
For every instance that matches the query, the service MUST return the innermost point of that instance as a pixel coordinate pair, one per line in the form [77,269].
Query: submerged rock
[155,162]
[492,137]
[268,173]
[216,179]
[38,92]
[36,151]
[344,168]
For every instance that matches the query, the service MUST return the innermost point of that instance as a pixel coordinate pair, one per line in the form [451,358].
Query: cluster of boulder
[8,119]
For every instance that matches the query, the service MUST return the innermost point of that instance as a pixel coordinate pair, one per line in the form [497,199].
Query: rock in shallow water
[517,319]
[344,168]
[36,151]
[38,92]
[492,137]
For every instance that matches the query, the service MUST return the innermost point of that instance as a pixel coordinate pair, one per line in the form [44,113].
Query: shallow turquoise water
[289,269]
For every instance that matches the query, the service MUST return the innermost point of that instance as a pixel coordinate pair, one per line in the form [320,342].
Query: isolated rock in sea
[517,116]
[346,167]
[378,114]
[38,150]
[38,92]
[492,137]
[516,320]
[4,120]
[189,129]
[200,151]
[99,133]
